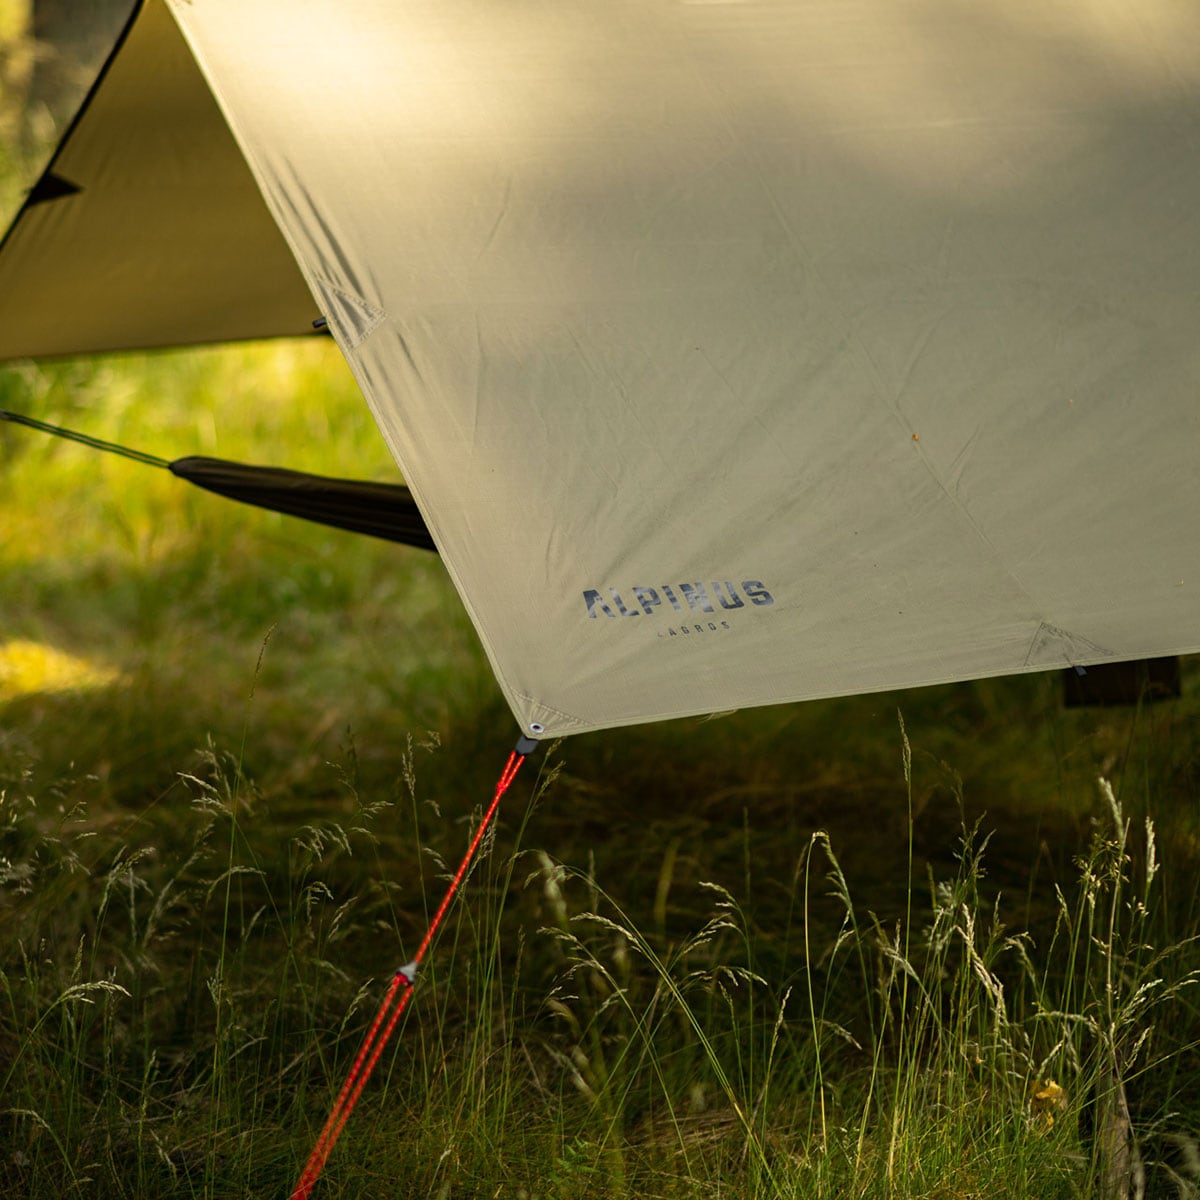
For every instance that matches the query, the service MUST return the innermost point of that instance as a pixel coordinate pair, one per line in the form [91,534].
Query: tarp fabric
[148,229]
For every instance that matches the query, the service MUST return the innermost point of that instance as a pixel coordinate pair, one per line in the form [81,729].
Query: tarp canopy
[735,353]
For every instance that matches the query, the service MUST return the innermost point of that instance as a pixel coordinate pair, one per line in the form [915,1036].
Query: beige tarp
[742,352]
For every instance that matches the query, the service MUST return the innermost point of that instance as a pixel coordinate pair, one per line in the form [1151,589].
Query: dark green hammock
[382,510]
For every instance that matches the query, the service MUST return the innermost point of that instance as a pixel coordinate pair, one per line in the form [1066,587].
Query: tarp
[735,353]
[147,229]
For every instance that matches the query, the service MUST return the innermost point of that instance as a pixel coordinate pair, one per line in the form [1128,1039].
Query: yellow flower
[1045,1098]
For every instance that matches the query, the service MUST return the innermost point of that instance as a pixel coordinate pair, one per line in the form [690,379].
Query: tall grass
[182,991]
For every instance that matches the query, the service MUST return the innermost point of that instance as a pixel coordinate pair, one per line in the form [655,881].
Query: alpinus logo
[715,597]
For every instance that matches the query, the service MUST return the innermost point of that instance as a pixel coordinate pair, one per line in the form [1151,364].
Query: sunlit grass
[27,667]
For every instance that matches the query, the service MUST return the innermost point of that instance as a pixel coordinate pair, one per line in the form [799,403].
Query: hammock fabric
[382,510]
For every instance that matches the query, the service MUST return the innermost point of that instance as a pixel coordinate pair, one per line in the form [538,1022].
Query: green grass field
[921,945]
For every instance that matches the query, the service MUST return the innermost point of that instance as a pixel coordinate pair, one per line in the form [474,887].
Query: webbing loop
[396,999]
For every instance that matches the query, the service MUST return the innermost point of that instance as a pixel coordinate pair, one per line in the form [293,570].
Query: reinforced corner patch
[351,318]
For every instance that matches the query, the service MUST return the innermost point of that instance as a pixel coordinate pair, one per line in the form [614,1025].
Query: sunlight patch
[27,667]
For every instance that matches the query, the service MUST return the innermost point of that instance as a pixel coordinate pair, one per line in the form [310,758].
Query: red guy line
[396,1000]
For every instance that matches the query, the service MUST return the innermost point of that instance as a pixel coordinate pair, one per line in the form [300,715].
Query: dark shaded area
[73,39]
[1143,681]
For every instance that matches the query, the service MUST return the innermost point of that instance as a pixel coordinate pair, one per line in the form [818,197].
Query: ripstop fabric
[735,353]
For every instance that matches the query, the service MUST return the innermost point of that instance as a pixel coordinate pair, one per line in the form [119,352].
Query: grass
[183,985]
[811,950]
